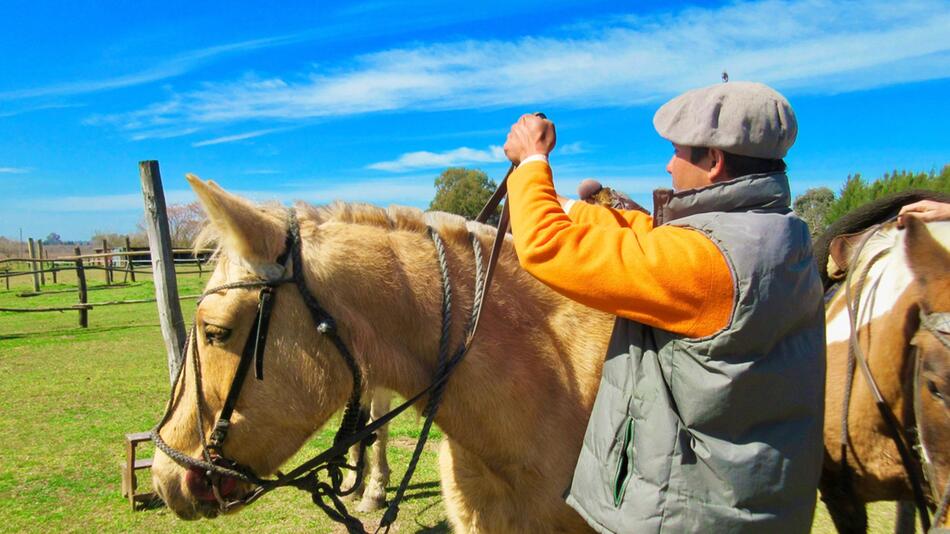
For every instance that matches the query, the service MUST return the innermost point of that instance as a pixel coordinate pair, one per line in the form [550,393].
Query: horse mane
[874,212]
[397,218]
[450,227]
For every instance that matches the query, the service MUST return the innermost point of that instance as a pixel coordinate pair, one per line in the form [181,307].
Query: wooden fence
[111,263]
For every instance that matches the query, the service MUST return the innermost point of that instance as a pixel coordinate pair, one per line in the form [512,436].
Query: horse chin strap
[353,427]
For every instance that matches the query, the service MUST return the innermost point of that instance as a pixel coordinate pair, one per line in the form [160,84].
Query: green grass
[70,394]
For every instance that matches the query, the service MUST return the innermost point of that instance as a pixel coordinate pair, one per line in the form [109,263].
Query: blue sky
[371,100]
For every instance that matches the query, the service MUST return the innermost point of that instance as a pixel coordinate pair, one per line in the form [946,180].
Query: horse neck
[885,321]
[536,352]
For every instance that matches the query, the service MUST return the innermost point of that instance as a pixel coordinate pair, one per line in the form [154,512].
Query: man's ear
[717,166]
[243,228]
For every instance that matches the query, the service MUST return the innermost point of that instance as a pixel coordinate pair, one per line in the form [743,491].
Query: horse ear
[243,228]
[840,253]
[928,259]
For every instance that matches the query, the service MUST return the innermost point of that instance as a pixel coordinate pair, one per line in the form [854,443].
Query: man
[709,413]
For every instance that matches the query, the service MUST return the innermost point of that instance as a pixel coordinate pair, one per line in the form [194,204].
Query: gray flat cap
[744,118]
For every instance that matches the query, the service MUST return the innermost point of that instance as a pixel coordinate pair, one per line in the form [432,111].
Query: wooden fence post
[106,261]
[163,265]
[36,275]
[52,267]
[81,279]
[39,255]
[130,259]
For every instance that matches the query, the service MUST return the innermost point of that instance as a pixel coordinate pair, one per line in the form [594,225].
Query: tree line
[820,206]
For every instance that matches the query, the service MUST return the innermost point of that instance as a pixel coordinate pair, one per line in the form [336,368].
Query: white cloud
[570,149]
[14,170]
[163,133]
[175,66]
[236,137]
[797,45]
[431,160]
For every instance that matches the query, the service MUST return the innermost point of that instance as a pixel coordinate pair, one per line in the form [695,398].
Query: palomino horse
[513,413]
[899,299]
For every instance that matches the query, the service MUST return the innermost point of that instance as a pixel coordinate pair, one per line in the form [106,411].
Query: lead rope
[445,367]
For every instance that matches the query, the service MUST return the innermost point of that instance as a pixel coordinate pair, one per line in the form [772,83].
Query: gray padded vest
[723,433]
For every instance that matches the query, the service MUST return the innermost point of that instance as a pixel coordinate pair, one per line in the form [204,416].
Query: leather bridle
[938,324]
[916,464]
[353,427]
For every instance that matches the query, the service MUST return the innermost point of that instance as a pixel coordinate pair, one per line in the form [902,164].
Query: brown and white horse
[898,275]
[514,411]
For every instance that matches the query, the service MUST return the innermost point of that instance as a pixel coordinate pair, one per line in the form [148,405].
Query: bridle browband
[911,451]
[354,428]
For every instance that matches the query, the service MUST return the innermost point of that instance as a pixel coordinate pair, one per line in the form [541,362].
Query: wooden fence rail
[78,262]
[91,305]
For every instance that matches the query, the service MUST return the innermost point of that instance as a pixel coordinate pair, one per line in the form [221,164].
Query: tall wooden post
[36,275]
[163,265]
[81,279]
[39,255]
[130,259]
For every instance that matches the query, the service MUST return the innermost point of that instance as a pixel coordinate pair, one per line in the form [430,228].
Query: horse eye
[216,334]
[932,388]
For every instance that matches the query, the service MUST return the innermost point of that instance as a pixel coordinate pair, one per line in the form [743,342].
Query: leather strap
[253,350]
[500,194]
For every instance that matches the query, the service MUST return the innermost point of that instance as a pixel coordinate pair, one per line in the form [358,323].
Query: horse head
[303,383]
[930,263]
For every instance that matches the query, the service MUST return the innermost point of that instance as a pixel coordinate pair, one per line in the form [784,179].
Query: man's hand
[925,210]
[529,136]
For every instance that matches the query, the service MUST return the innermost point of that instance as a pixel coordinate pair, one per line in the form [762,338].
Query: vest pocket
[624,464]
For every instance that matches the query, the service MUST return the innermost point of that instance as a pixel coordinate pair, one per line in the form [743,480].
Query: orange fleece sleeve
[585,213]
[668,277]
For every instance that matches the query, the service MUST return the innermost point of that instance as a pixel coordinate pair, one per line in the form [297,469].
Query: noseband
[353,427]
[913,454]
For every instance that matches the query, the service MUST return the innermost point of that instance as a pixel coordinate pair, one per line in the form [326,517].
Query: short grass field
[70,394]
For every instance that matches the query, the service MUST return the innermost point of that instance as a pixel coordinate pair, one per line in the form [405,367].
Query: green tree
[857,191]
[53,239]
[462,191]
[812,206]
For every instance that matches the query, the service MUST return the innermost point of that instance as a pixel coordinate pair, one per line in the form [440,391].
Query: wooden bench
[130,466]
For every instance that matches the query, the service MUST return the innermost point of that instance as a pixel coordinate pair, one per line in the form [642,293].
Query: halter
[353,427]
[907,445]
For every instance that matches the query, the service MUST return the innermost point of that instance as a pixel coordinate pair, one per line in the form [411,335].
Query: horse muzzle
[203,486]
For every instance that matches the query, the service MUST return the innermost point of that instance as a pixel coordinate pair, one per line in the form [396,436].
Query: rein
[353,427]
[906,445]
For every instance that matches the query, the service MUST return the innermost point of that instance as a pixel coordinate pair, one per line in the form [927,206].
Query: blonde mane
[450,227]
